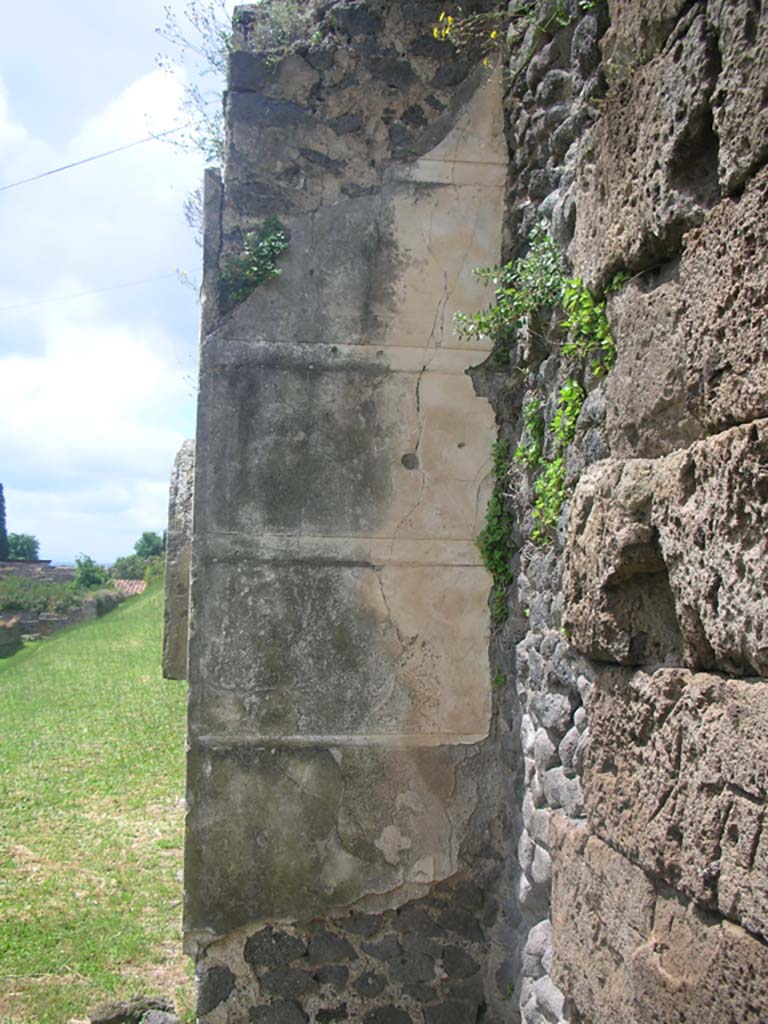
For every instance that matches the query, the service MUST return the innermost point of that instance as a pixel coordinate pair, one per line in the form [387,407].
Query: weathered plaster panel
[289,831]
[339,681]
[626,949]
[676,779]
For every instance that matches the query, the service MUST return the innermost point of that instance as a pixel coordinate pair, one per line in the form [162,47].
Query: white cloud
[94,392]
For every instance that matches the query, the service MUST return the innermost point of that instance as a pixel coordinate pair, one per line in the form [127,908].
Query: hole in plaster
[410,460]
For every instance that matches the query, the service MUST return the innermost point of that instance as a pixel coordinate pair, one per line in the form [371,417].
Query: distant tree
[3,531]
[89,574]
[149,545]
[129,567]
[22,547]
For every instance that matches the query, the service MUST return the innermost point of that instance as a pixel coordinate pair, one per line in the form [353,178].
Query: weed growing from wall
[528,452]
[494,541]
[256,264]
[528,285]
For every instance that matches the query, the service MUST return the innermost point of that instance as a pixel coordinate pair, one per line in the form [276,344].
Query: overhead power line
[83,295]
[88,159]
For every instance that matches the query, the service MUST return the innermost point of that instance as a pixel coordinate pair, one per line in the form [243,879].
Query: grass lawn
[91,816]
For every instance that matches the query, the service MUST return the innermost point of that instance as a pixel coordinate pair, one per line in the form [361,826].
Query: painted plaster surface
[339,681]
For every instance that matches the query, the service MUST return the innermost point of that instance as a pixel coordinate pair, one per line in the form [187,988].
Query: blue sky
[96,393]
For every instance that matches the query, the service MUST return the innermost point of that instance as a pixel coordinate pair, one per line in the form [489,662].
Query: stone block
[693,350]
[637,33]
[677,780]
[627,950]
[740,110]
[666,560]
[647,171]
[369,825]
[178,557]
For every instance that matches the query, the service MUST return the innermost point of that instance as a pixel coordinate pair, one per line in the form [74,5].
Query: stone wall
[635,648]
[373,834]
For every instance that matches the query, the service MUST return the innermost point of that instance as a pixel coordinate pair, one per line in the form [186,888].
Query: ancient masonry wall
[635,651]
[342,791]
[375,834]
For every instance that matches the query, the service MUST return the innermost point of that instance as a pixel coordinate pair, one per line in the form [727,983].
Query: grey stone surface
[626,950]
[677,780]
[214,987]
[740,110]
[280,1012]
[648,170]
[178,555]
[649,566]
[128,1011]
[692,353]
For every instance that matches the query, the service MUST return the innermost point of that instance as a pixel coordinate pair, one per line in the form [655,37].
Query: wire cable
[88,159]
[82,295]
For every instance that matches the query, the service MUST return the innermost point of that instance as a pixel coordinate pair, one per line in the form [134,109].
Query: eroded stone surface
[178,557]
[666,559]
[677,780]
[740,109]
[708,309]
[627,951]
[648,170]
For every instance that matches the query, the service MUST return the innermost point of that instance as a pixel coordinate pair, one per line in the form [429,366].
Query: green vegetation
[91,785]
[529,454]
[149,545]
[257,263]
[495,539]
[569,402]
[525,286]
[498,680]
[18,594]
[529,285]
[22,547]
[89,574]
[145,563]
[549,494]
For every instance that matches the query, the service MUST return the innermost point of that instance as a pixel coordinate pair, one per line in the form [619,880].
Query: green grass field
[91,815]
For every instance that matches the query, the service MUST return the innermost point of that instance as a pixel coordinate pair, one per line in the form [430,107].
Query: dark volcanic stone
[357,20]
[415,967]
[347,123]
[334,975]
[450,74]
[414,117]
[451,1013]
[398,74]
[363,924]
[281,1012]
[325,947]
[457,963]
[216,985]
[370,984]
[338,1013]
[387,1015]
[461,922]
[386,949]
[269,948]
[288,981]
